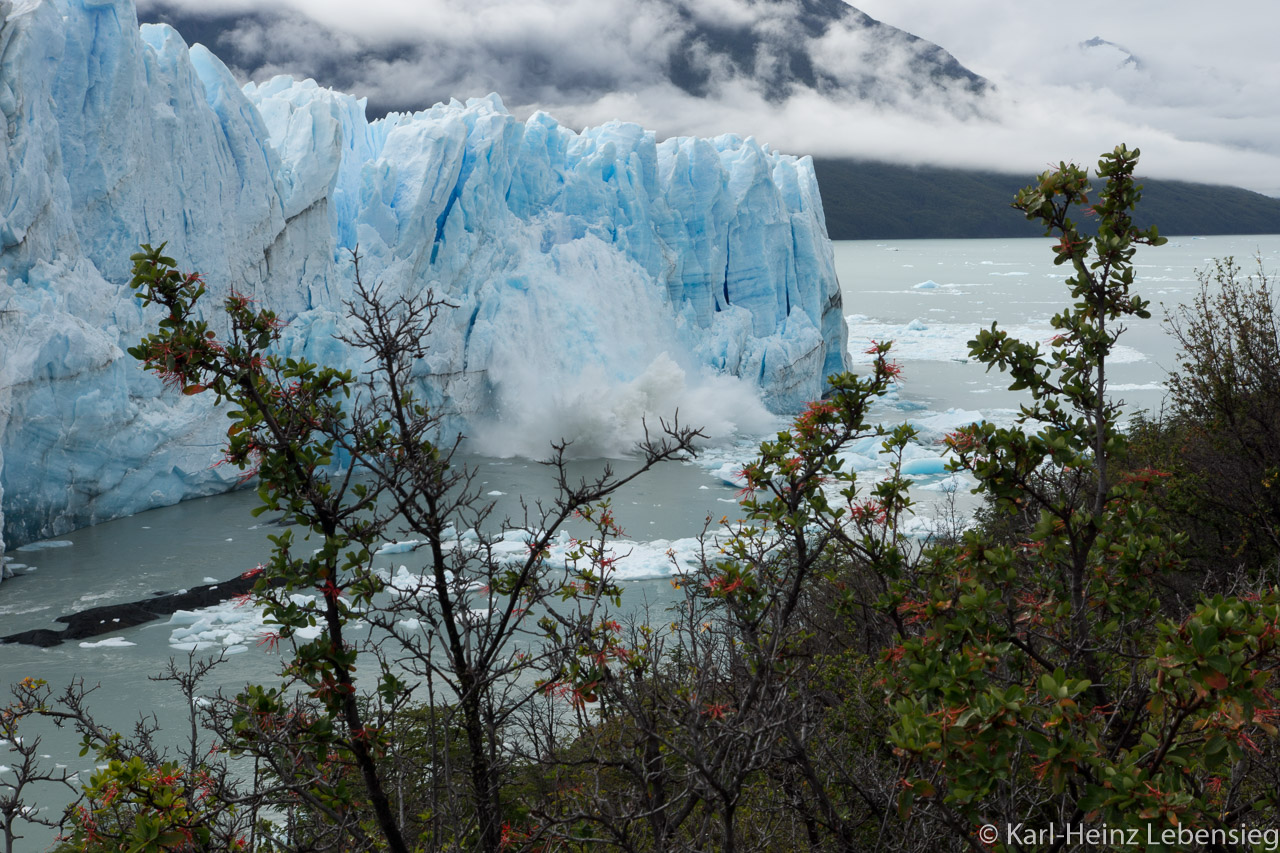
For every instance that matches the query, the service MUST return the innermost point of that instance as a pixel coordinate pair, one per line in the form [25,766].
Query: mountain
[866,200]
[787,36]
[594,275]
[1118,56]
[774,48]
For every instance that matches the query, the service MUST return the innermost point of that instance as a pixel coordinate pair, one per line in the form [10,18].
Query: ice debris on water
[109,643]
[920,341]
[230,623]
[45,544]
[925,465]
[398,547]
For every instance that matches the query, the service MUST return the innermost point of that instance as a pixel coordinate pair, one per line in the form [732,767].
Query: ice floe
[917,341]
[109,643]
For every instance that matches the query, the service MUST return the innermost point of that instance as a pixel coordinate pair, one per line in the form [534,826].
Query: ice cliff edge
[580,262]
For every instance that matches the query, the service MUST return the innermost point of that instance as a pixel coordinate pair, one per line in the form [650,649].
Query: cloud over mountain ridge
[586,51]
[1009,89]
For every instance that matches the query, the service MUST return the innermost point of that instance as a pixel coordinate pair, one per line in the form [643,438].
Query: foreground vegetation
[1099,650]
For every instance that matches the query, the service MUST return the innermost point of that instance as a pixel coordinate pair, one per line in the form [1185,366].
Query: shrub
[1222,431]
[1037,683]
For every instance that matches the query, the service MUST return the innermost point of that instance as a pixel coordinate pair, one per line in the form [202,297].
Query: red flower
[723,585]
[872,511]
[716,711]
[331,590]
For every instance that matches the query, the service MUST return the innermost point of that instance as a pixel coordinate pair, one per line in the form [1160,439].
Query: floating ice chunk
[731,473]
[406,583]
[109,643]
[925,466]
[45,544]
[399,547]
[1130,386]
[921,527]
[918,326]
[228,623]
[473,617]
[934,427]
[859,462]
[927,285]
[495,494]
[947,485]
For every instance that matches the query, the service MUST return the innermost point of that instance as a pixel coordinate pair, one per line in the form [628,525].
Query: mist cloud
[1198,95]
[1204,86]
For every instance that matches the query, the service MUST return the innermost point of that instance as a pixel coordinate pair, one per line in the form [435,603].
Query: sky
[1195,86]
[1203,97]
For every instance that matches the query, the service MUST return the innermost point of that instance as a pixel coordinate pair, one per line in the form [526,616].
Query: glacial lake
[929,296]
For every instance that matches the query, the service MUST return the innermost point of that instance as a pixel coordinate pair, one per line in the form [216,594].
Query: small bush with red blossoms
[131,807]
[1041,680]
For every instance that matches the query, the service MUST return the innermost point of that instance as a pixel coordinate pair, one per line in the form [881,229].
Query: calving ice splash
[593,278]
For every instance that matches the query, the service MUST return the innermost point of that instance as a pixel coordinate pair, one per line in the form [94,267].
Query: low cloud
[1200,92]
[773,69]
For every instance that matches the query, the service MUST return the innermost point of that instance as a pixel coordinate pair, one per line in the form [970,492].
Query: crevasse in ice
[591,272]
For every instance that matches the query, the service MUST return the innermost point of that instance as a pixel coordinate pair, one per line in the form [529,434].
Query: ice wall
[597,275]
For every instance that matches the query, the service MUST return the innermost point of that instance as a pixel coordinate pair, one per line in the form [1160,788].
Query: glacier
[595,275]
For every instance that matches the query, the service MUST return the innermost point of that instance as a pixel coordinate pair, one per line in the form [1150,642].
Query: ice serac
[595,275]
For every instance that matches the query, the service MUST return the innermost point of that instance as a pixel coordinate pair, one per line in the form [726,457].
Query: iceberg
[575,261]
